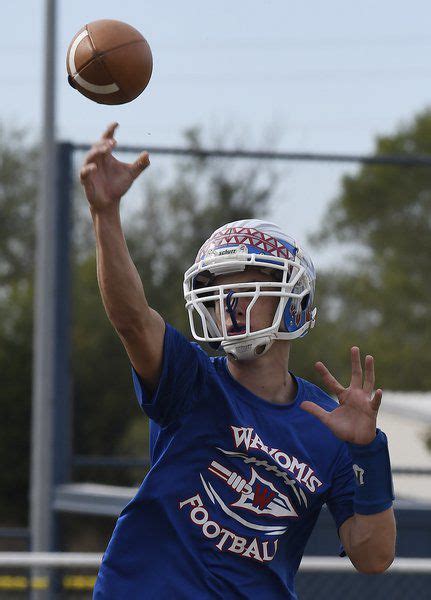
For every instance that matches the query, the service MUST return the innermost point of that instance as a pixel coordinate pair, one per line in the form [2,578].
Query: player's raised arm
[140,328]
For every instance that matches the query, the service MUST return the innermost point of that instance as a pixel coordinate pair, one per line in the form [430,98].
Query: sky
[325,77]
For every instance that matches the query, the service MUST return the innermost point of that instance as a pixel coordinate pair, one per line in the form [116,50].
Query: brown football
[110,62]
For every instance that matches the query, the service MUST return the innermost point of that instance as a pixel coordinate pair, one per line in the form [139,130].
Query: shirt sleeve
[342,491]
[183,376]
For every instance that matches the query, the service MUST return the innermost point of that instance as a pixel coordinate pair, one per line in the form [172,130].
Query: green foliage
[163,236]
[18,190]
[175,220]
[102,393]
[380,299]
[15,394]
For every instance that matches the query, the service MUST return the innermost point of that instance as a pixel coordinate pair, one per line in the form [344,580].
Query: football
[109,62]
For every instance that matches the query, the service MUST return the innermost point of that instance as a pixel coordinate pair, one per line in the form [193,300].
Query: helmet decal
[250,237]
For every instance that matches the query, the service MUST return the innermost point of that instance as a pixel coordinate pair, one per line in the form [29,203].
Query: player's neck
[268,376]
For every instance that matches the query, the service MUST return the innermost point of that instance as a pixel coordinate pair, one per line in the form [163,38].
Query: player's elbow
[374,566]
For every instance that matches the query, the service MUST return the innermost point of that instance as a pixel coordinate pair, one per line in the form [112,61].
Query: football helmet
[235,247]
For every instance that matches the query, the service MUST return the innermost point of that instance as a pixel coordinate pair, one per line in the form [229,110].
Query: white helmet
[232,248]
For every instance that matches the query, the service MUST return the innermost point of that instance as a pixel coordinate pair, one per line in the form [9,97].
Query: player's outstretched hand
[355,419]
[106,179]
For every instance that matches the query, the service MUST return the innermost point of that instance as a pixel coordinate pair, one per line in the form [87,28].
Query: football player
[244,453]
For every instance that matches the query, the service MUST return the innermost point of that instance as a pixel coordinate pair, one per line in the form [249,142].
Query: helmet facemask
[201,302]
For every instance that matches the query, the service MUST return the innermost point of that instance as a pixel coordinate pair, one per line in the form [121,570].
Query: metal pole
[41,476]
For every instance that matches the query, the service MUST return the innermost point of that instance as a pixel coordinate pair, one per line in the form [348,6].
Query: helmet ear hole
[304,301]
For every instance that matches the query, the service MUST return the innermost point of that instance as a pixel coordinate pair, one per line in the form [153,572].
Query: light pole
[43,380]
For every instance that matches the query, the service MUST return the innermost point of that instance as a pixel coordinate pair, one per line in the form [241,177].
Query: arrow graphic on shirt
[291,483]
[215,498]
[258,494]
[235,481]
[265,499]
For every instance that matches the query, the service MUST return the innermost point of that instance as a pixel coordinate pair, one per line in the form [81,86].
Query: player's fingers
[109,132]
[86,171]
[369,378]
[315,410]
[328,379]
[356,380]
[377,400]
[99,151]
[141,163]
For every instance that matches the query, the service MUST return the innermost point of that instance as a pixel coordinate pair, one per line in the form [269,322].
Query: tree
[163,237]
[18,190]
[380,301]
[202,195]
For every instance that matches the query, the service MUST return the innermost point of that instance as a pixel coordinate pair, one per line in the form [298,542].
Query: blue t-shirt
[234,490]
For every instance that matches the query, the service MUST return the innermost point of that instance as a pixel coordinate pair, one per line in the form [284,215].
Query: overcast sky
[331,76]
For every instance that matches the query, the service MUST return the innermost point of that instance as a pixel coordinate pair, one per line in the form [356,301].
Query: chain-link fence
[409,585]
[73,577]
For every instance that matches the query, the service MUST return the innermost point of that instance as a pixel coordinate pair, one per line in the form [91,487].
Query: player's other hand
[106,179]
[355,419]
